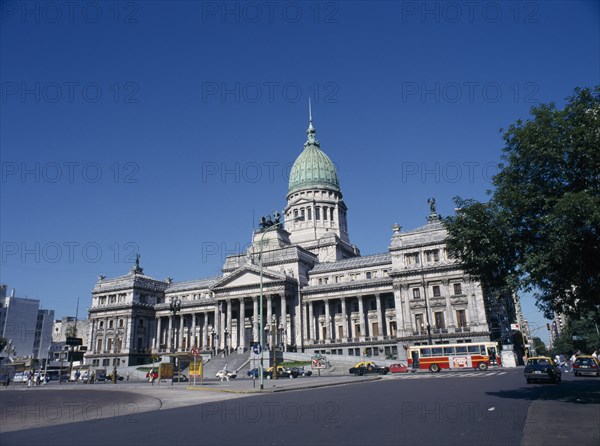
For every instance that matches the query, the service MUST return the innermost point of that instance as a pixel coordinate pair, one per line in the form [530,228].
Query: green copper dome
[313,168]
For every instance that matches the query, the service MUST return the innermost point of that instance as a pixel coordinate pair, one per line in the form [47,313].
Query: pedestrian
[29,379]
[127,376]
[38,380]
[595,354]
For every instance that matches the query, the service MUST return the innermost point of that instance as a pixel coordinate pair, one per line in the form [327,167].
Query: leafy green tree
[540,229]
[578,334]
[540,347]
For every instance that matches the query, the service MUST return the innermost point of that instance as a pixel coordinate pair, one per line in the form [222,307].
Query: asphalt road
[442,409]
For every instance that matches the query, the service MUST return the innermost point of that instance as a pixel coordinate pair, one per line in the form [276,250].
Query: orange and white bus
[476,355]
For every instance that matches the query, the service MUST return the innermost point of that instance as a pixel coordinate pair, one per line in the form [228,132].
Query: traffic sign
[257,349]
[195,351]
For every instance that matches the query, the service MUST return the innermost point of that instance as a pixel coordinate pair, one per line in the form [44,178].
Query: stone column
[379,316]
[180,333]
[327,321]
[283,320]
[344,319]
[205,331]
[158,333]
[105,337]
[242,323]
[305,320]
[311,320]
[255,323]
[270,319]
[129,334]
[170,334]
[192,342]
[361,315]
[217,328]
[229,325]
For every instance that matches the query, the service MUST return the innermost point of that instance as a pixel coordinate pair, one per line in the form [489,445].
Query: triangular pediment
[248,275]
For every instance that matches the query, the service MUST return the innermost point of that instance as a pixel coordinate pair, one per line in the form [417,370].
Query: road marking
[448,375]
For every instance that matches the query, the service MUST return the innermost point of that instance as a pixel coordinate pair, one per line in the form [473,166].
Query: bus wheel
[434,368]
[482,366]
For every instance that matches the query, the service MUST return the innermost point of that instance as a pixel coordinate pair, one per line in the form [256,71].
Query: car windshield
[584,361]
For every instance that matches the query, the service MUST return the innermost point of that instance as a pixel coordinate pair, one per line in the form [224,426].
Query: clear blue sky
[169,128]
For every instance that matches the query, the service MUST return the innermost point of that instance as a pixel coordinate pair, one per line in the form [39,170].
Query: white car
[225,375]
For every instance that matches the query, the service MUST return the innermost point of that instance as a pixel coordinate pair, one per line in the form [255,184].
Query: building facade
[27,328]
[302,284]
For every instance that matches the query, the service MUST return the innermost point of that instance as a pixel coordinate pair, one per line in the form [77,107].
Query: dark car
[586,365]
[542,368]
[253,373]
[282,372]
[363,368]
[179,378]
[300,371]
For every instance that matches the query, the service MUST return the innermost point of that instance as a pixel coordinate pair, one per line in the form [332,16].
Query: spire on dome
[311,132]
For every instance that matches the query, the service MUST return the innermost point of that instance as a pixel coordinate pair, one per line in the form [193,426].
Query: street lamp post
[174,306]
[225,346]
[429,340]
[260,308]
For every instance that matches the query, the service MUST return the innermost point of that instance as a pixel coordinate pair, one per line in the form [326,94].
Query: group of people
[566,363]
[35,379]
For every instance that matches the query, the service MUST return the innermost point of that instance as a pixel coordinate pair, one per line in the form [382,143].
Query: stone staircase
[234,362]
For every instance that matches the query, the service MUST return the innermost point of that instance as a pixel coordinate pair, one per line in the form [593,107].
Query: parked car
[253,373]
[180,377]
[282,372]
[301,371]
[366,367]
[225,375]
[586,365]
[542,368]
[398,368]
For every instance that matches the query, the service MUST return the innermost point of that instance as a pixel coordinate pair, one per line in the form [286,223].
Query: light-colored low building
[318,293]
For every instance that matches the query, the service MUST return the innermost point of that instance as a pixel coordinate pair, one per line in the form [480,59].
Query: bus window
[436,351]
[425,352]
[474,349]
[461,350]
[448,351]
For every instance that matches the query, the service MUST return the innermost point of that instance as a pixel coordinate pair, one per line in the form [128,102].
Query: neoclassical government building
[318,293]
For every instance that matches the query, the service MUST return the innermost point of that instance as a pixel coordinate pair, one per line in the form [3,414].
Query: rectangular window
[302,214]
[436,291]
[461,318]
[439,320]
[419,322]
[432,256]
[369,275]
[457,289]
[324,213]
[317,213]
[416,293]
[448,350]
[412,259]
[309,212]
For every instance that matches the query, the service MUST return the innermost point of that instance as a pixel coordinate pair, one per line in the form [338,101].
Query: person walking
[29,378]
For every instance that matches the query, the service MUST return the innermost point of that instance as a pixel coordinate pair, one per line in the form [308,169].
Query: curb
[280,389]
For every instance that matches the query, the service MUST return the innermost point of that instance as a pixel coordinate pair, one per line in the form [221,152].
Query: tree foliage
[540,229]
[584,330]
